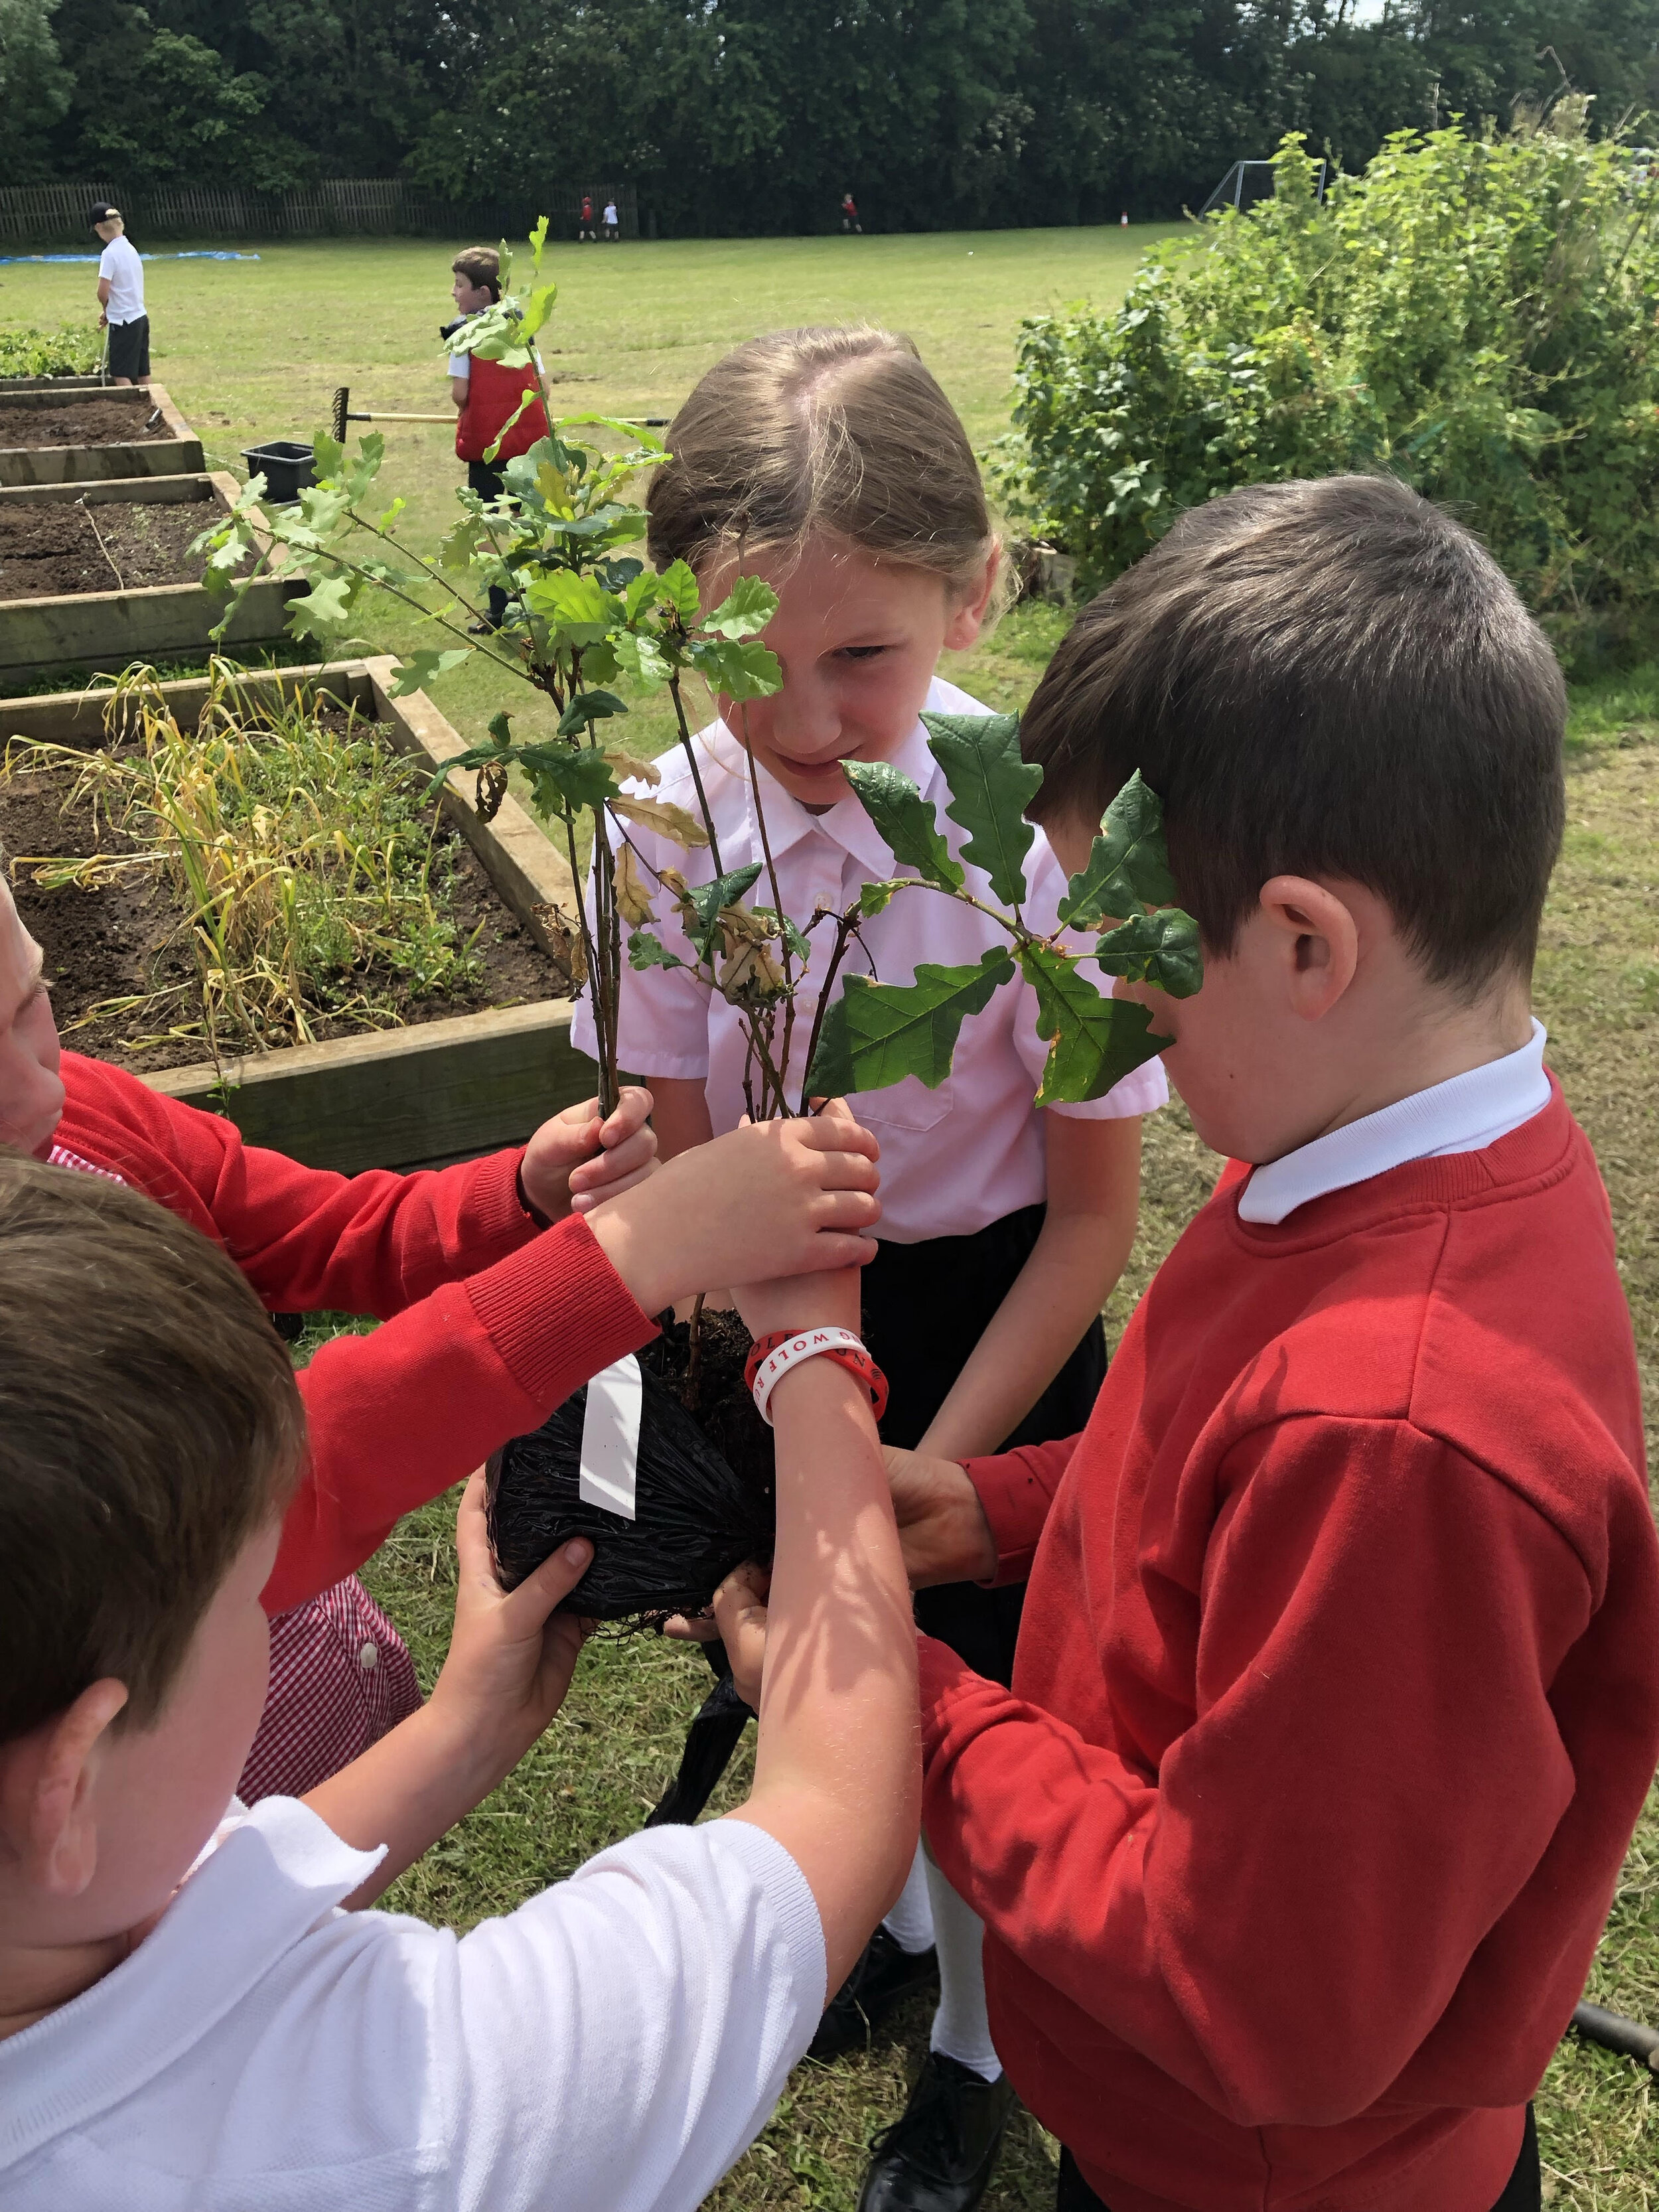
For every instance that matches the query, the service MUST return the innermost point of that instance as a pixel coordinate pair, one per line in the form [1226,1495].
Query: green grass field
[251,351]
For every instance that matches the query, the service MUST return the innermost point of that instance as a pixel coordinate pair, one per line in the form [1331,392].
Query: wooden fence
[47,215]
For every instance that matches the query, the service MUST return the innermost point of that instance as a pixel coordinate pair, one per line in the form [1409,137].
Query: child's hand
[575,1160]
[943,1532]
[740,1619]
[511,1657]
[786,1198]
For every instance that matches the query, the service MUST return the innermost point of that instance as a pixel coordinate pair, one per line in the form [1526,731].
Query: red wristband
[762,1370]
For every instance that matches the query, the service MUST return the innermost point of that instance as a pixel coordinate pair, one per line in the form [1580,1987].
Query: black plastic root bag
[695,1518]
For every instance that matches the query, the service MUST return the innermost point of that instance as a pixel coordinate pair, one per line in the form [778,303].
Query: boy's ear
[968,618]
[47,1826]
[1316,940]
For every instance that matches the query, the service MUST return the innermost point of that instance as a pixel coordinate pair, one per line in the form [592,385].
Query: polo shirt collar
[273,1878]
[846,824]
[1462,1114]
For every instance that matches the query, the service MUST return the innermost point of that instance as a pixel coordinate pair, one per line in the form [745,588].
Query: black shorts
[128,350]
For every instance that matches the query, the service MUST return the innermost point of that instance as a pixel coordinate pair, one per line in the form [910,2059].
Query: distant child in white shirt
[121,297]
[194,2013]
[829,463]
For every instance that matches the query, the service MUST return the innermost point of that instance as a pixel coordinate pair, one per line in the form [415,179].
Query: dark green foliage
[991,787]
[1474,314]
[906,821]
[750,116]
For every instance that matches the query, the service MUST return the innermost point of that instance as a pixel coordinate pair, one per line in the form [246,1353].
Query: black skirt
[925,1306]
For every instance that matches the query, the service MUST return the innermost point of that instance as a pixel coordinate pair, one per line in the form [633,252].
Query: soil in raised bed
[125,937]
[86,423]
[51,547]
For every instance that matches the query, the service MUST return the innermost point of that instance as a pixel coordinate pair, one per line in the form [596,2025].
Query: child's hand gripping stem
[577,1159]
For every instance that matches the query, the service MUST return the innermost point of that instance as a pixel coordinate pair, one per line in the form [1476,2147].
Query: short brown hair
[838,429]
[149,1423]
[1323,679]
[480,266]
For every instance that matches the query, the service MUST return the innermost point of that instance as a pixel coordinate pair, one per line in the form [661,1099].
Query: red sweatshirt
[488,1325]
[1335,1702]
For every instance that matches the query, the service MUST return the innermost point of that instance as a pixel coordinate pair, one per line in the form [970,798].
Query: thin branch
[687,741]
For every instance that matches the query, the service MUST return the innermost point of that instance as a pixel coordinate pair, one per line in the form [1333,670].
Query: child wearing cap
[121,297]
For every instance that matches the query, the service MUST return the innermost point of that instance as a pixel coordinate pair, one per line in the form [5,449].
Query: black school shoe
[939,2155]
[886,1972]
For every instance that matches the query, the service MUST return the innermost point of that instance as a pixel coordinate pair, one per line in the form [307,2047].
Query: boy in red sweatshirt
[1337,1695]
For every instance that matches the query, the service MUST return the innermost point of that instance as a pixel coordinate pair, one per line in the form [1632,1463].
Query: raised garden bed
[85,435]
[52,384]
[98,576]
[447,1084]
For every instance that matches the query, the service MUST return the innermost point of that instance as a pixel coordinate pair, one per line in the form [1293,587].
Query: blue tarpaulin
[204,254]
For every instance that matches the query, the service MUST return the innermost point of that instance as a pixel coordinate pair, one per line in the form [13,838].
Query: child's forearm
[837,1776]
[1029,1339]
[406,1791]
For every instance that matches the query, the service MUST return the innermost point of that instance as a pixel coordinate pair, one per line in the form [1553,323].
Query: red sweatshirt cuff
[556,1312]
[942,1679]
[497,1217]
[1016,1505]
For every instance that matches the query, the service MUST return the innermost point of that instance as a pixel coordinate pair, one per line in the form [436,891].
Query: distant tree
[35,88]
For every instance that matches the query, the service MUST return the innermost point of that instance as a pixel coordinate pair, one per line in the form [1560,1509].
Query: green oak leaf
[641,657]
[643,591]
[1128,869]
[564,775]
[706,901]
[1093,1042]
[589,706]
[418,671]
[749,607]
[875,1034]
[576,604]
[990,788]
[645,951]
[325,610]
[746,670]
[1159,948]
[875,898]
[906,820]
[679,591]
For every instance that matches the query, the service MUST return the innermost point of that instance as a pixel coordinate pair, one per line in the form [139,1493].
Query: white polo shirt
[953,1160]
[119,263]
[1465,1114]
[611,2046]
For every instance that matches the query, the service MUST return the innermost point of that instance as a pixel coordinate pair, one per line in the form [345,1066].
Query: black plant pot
[704,1500]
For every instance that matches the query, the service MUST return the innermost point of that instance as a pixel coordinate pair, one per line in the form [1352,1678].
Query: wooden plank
[438,1092]
[145,491]
[523,863]
[76,718]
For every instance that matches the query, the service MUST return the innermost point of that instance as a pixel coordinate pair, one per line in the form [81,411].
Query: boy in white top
[612,227]
[193,2010]
[121,297]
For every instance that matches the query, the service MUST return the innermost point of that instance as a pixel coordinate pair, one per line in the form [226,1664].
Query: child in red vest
[1337,1692]
[487,396]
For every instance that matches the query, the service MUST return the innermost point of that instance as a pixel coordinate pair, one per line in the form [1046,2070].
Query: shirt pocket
[909,1105]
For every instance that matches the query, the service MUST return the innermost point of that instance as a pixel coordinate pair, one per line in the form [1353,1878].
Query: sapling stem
[689,745]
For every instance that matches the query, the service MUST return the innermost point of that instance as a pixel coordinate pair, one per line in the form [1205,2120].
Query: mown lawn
[254,349]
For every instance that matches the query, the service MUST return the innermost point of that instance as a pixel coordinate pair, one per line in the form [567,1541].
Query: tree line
[754,116]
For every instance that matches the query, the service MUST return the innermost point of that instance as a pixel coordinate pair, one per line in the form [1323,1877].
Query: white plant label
[611,1439]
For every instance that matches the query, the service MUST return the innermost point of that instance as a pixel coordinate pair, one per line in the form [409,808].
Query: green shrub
[1476,314]
[72,350]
